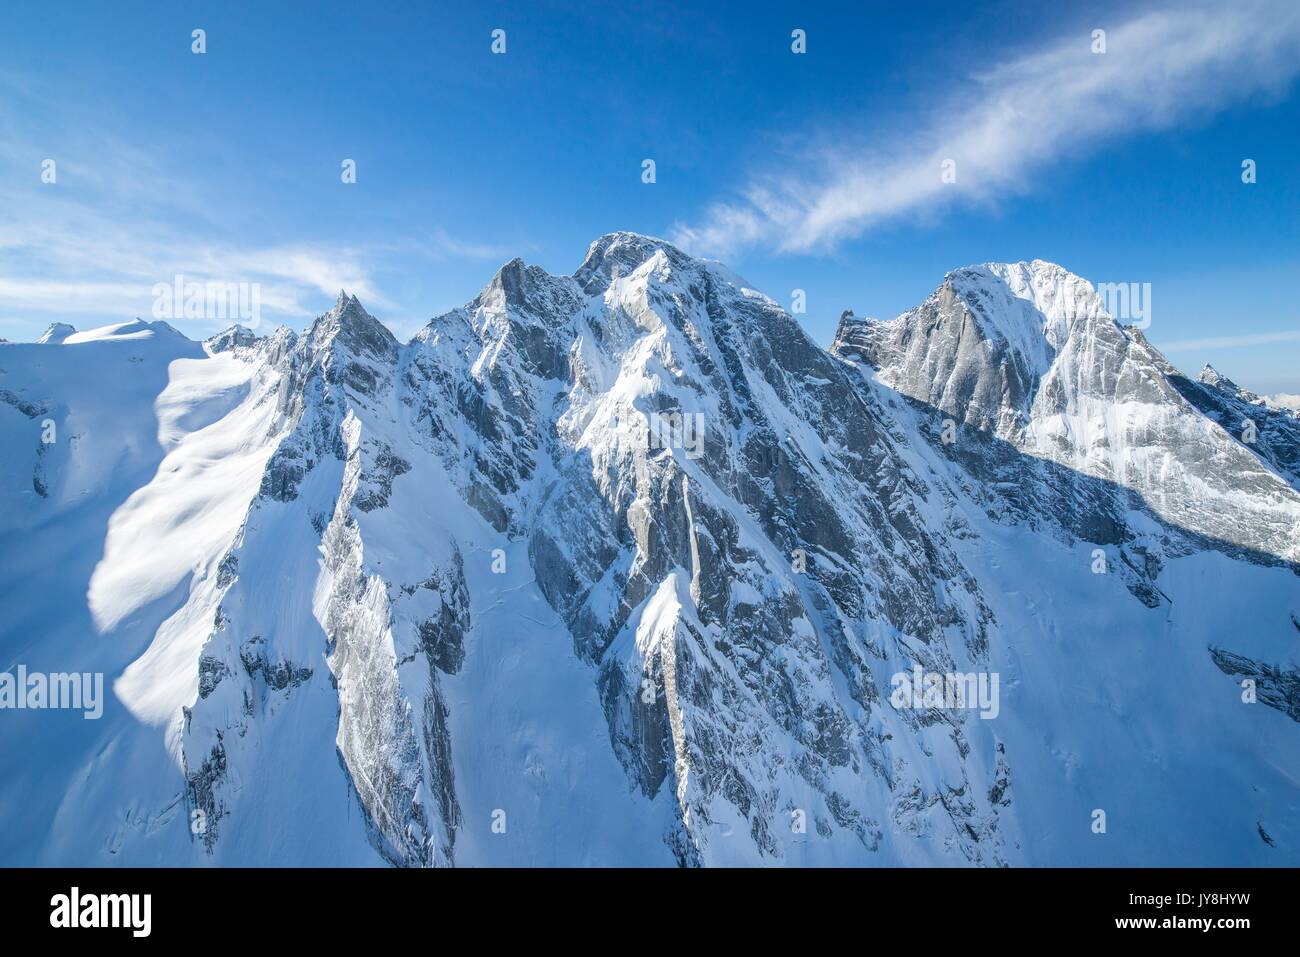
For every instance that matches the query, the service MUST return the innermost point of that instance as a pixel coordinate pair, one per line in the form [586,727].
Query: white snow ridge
[621,568]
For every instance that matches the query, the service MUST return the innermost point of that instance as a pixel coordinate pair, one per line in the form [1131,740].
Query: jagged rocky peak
[1216,380]
[1271,433]
[56,333]
[851,326]
[1029,353]
[979,345]
[1028,305]
[510,282]
[349,324]
[621,254]
[536,309]
[228,340]
[525,290]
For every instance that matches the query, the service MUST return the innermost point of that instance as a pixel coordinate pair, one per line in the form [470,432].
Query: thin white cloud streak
[120,220]
[1159,68]
[85,255]
[115,301]
[441,245]
[84,261]
[88,263]
[1230,342]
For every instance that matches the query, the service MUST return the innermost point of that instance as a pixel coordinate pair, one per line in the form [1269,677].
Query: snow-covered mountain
[622,568]
[1027,353]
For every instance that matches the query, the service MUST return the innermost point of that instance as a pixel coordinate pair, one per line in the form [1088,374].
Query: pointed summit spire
[350,324]
[1215,379]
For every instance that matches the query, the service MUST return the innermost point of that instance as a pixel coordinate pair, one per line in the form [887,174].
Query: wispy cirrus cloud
[1159,68]
[119,220]
[71,260]
[1231,342]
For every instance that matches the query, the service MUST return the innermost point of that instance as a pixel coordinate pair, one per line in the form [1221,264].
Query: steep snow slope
[73,787]
[1113,696]
[619,567]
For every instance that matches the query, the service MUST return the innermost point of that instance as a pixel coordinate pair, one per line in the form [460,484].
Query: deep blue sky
[226,165]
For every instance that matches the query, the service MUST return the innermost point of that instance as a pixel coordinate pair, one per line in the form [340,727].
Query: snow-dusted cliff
[620,567]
